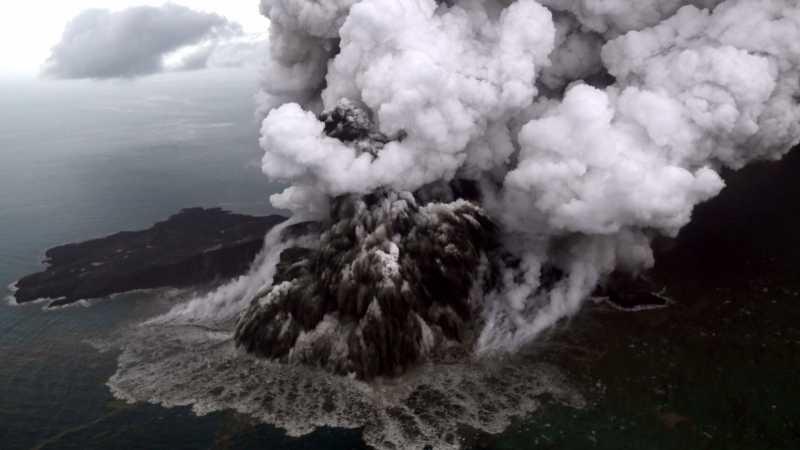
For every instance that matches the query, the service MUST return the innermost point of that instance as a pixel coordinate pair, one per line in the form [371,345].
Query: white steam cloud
[591,125]
[138,41]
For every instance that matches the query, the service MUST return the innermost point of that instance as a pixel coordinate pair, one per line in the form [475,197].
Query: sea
[84,159]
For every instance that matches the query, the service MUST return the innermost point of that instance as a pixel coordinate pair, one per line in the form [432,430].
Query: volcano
[388,279]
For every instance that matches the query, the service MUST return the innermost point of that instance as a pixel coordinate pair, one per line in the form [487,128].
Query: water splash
[191,365]
[188,357]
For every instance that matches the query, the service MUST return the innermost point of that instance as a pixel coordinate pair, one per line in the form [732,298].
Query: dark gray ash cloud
[132,42]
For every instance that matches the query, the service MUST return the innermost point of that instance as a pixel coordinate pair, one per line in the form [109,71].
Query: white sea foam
[11,297]
[187,365]
[187,357]
[82,303]
[13,301]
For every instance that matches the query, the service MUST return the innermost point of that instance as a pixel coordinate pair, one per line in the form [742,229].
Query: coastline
[10,297]
[192,247]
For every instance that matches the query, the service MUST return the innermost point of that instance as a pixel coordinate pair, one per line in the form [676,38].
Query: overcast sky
[30,28]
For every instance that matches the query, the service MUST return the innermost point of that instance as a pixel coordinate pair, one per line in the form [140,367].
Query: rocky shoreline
[192,247]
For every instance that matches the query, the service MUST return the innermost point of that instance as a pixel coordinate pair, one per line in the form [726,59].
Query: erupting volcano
[476,169]
[464,174]
[396,276]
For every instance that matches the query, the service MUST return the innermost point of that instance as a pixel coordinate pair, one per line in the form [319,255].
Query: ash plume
[586,128]
[463,175]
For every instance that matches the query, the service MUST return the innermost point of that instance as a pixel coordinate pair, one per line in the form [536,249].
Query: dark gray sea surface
[81,159]
[86,159]
[714,370]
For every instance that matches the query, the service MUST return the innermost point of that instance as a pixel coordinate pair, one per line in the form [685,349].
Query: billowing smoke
[136,41]
[584,128]
[464,174]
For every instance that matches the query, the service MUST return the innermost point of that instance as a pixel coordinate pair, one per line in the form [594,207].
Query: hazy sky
[28,29]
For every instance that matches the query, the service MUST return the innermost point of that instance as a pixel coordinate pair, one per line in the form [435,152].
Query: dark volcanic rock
[393,281]
[394,277]
[194,246]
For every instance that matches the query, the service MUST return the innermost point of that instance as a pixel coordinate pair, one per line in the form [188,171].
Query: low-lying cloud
[240,51]
[133,42]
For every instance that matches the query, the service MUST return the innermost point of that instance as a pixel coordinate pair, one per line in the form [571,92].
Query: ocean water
[85,159]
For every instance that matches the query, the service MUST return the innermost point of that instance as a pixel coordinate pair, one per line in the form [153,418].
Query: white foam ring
[188,358]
